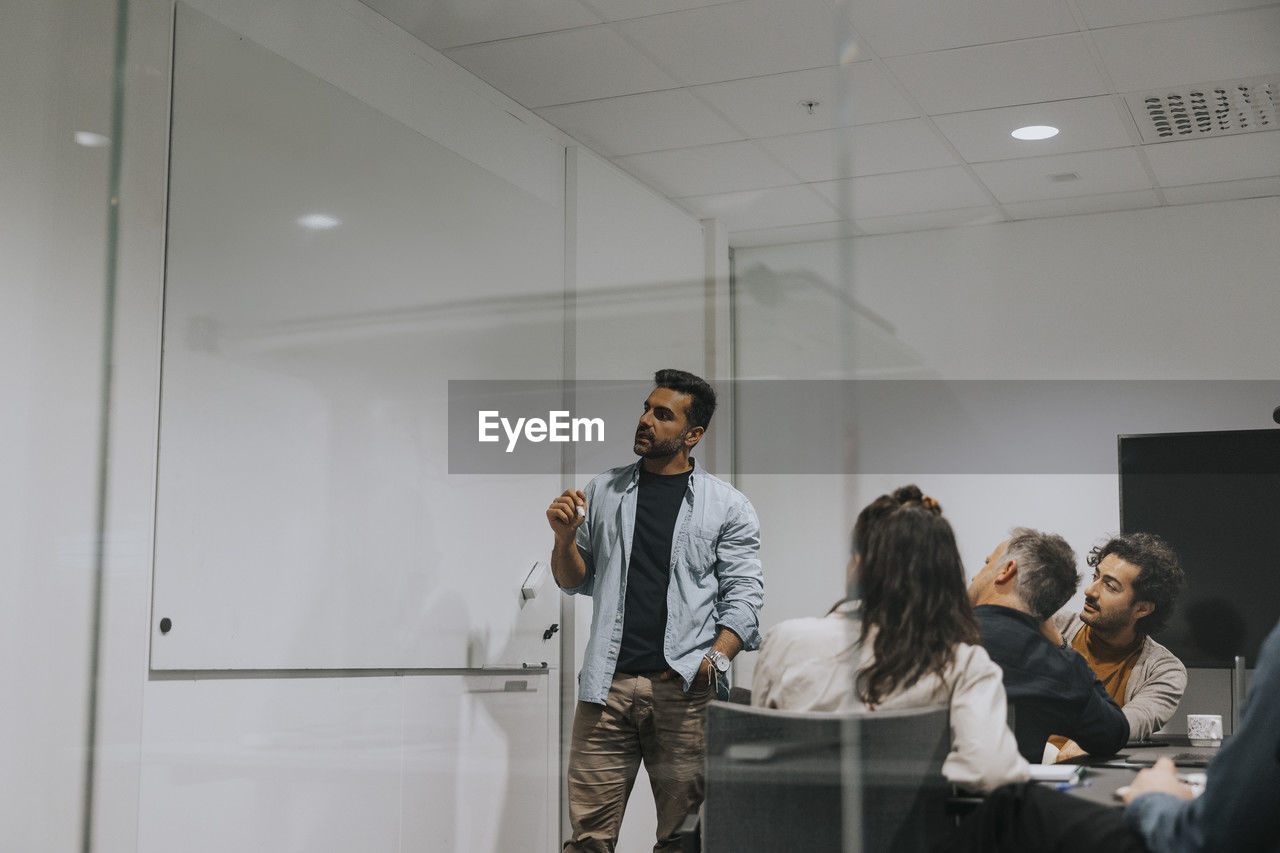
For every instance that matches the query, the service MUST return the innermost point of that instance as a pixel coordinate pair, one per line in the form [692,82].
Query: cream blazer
[809,664]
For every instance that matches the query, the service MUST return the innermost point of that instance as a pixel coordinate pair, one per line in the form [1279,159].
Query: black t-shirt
[644,621]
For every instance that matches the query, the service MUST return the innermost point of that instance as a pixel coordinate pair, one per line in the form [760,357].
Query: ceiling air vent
[1196,112]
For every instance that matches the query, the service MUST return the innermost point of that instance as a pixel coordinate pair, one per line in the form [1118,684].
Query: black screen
[1215,496]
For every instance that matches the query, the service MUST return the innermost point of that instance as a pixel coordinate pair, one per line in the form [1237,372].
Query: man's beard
[659,449]
[1104,621]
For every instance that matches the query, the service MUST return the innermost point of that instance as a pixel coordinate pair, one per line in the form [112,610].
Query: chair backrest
[787,780]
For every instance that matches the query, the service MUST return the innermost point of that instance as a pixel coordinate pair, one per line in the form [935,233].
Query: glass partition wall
[987,317]
[274,592]
[326,624]
[59,156]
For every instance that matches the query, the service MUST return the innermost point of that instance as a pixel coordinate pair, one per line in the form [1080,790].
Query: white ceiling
[701,99]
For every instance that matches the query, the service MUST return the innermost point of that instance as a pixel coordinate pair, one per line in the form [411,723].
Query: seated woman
[909,641]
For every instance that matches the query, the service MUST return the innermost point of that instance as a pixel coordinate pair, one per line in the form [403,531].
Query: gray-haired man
[1026,579]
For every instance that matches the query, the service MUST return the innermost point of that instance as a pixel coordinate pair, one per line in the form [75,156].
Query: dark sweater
[1052,691]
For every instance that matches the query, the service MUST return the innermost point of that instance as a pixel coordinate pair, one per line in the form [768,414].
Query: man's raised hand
[567,512]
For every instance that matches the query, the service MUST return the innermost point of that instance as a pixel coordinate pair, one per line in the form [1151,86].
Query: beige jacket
[809,665]
[1154,688]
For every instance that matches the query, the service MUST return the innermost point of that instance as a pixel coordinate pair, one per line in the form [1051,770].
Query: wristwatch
[719,661]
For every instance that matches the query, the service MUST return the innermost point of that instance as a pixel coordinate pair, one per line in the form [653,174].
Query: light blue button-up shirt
[716,579]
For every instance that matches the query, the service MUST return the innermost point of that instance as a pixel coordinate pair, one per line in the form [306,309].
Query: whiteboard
[305,514]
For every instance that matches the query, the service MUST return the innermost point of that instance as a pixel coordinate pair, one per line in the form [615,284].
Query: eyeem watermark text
[559,427]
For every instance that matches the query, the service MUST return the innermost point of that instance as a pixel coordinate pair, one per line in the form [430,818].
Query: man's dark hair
[702,403]
[1047,576]
[1159,579]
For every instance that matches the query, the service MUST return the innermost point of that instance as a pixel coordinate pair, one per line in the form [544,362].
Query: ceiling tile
[896,27]
[1227,158]
[1082,204]
[906,192]
[771,106]
[557,68]
[1109,13]
[708,169]
[929,220]
[896,146]
[1226,191]
[621,10]
[1192,51]
[1086,124]
[749,38]
[1031,179]
[735,143]
[791,234]
[755,209]
[635,123]
[1023,72]
[449,23]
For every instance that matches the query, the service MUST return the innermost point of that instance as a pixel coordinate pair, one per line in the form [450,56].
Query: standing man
[1025,580]
[1136,580]
[670,556]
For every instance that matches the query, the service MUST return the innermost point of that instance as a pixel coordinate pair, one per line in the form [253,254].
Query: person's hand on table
[1070,750]
[1162,778]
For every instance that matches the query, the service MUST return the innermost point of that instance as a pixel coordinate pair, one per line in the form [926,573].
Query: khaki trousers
[647,719]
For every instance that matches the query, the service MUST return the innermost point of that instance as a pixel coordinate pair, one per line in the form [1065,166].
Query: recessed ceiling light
[91,140]
[1035,131]
[319,221]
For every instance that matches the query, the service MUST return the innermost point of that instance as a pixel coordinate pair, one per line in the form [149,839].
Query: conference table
[1104,775]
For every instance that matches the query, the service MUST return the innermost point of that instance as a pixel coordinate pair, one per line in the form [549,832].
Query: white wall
[1171,293]
[1176,292]
[56,60]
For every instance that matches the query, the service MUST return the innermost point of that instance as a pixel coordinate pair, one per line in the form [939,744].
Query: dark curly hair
[1160,579]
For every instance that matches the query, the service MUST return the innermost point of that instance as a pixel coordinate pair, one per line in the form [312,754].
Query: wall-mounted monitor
[1215,496]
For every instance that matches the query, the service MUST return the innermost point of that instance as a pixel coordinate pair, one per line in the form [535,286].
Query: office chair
[787,780]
